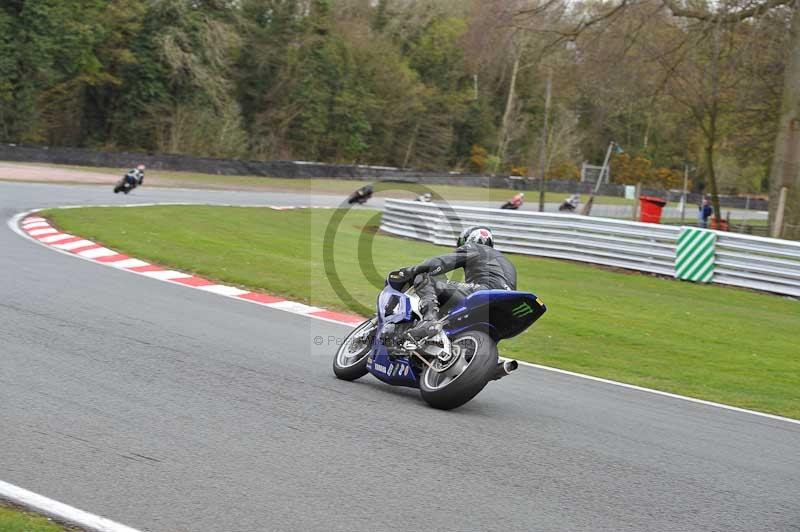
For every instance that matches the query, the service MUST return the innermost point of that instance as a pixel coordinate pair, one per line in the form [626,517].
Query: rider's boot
[428,326]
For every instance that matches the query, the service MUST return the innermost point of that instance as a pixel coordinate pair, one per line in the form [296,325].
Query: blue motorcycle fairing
[396,371]
[392,370]
[501,313]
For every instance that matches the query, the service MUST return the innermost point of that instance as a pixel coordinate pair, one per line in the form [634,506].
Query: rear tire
[480,356]
[350,361]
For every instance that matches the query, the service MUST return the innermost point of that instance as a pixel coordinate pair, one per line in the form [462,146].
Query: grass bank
[15,520]
[720,344]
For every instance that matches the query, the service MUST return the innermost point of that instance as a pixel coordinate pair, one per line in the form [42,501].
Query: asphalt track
[167,408]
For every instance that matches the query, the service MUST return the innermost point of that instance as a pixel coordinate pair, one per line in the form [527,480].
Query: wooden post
[587,208]
[685,194]
[636,194]
[777,226]
[543,151]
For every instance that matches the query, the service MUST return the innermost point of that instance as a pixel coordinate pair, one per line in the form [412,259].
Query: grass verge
[13,519]
[720,344]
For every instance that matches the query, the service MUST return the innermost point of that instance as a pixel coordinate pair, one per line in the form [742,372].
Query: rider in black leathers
[484,268]
[135,177]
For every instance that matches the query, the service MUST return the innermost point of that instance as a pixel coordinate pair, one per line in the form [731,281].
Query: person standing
[704,213]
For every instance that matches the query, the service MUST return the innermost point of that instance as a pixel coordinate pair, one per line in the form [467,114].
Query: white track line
[39,232]
[55,238]
[659,392]
[304,310]
[223,290]
[128,263]
[166,275]
[293,307]
[34,225]
[59,510]
[73,245]
[96,253]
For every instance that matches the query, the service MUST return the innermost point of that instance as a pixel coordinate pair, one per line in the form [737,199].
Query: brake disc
[446,358]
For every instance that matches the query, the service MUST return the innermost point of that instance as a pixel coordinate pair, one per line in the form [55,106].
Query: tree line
[431,84]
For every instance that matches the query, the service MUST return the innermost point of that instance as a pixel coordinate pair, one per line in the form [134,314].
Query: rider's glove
[400,277]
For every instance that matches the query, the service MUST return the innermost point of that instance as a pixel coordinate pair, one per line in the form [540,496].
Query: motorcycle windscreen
[507,312]
[393,306]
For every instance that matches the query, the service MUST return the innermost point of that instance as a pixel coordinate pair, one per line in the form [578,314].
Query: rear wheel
[450,384]
[350,362]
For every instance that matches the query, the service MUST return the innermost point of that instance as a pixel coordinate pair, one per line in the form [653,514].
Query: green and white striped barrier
[695,255]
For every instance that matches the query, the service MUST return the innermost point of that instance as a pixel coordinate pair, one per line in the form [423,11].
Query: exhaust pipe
[504,368]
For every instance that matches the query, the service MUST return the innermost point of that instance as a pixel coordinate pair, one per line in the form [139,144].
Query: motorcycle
[424,198]
[514,203]
[450,367]
[569,204]
[125,185]
[360,196]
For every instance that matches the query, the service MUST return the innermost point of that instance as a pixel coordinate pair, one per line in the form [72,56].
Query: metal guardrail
[741,260]
[760,263]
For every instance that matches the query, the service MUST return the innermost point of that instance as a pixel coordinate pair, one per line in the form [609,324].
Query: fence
[740,260]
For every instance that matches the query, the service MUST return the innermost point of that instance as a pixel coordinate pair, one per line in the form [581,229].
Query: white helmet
[477,234]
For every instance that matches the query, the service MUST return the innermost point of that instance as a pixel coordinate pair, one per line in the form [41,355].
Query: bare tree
[786,162]
[786,159]
[718,16]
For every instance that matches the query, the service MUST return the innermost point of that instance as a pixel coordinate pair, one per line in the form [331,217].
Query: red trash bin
[650,209]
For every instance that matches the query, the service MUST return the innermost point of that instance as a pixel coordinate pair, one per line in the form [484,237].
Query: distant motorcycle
[134,178]
[570,204]
[424,198]
[515,202]
[125,185]
[361,195]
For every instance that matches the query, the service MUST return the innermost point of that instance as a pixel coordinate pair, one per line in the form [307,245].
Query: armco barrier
[760,263]
[741,260]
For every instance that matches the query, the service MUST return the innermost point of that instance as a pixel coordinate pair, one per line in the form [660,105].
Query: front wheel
[464,378]
[350,362]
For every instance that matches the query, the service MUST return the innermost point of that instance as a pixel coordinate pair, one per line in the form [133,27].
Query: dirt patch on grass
[45,174]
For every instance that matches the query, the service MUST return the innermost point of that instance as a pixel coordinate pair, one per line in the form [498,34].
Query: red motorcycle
[515,202]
